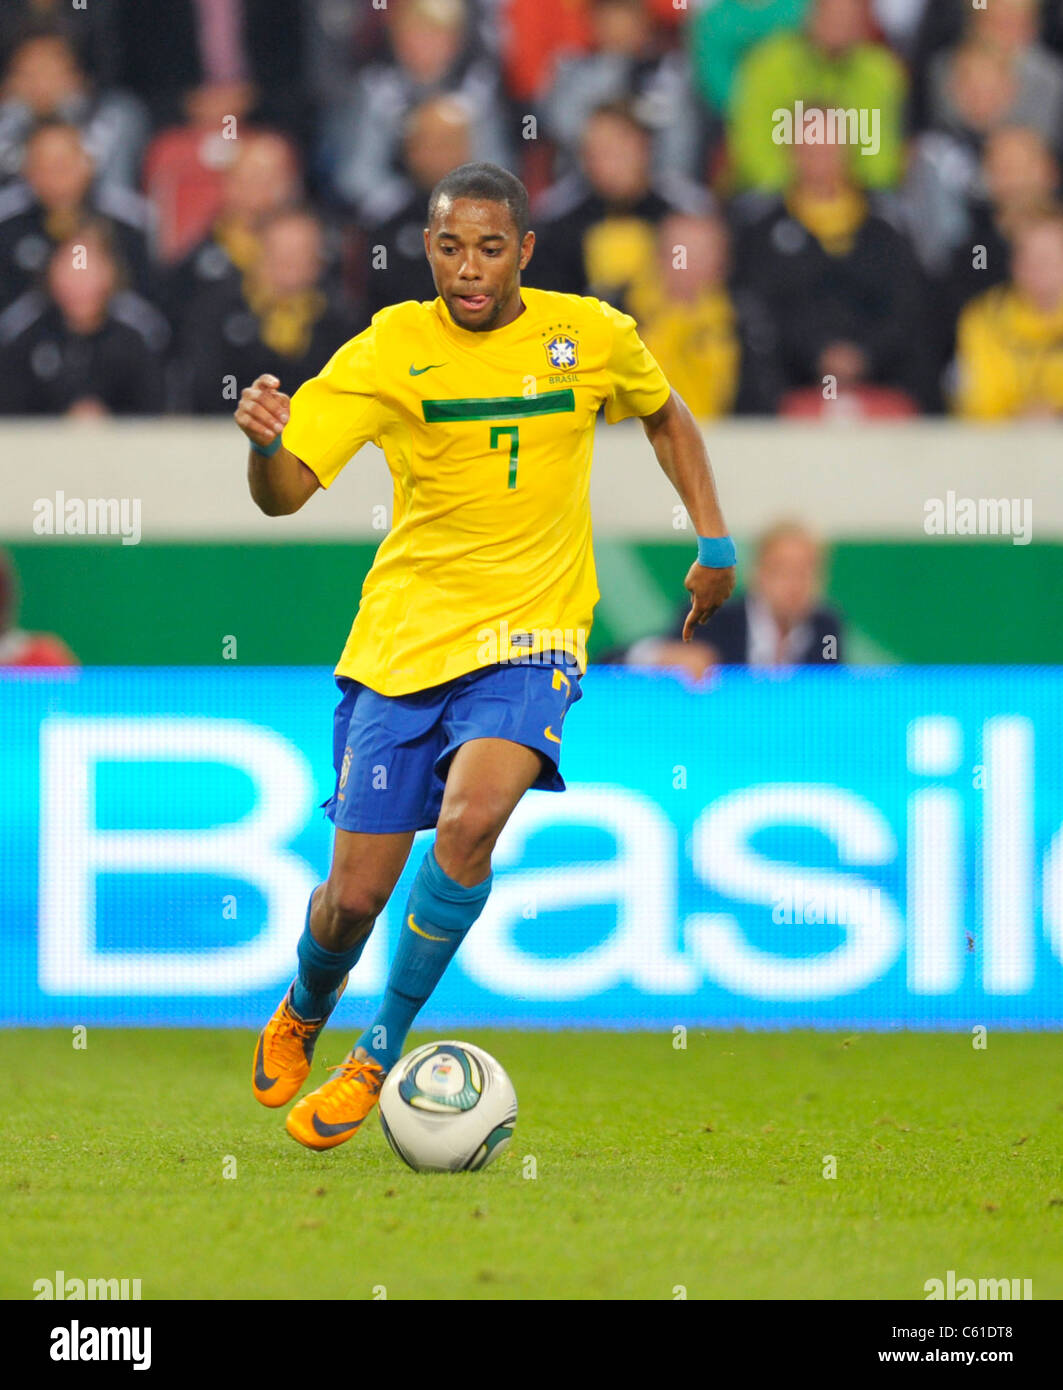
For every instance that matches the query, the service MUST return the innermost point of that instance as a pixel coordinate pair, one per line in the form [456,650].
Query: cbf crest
[563,352]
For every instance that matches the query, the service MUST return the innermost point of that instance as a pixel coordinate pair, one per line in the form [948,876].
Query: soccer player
[469,642]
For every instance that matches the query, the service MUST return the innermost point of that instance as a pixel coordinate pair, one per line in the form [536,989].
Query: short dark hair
[488,182]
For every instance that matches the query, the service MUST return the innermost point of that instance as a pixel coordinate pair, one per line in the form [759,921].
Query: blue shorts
[392,752]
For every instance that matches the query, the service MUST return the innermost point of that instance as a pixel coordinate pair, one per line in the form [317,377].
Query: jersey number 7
[497,431]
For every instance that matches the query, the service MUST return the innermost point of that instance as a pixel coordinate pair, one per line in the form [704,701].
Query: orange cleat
[332,1113]
[284,1052]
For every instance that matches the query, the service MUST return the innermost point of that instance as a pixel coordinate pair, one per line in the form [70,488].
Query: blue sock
[441,911]
[321,973]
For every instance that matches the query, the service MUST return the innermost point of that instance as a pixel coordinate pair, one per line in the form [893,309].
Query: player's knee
[466,835]
[351,908]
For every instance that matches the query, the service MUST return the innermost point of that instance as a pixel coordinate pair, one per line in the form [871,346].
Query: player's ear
[427,243]
[527,246]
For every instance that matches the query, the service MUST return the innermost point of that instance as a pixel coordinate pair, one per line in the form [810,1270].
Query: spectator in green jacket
[836,61]
[722,33]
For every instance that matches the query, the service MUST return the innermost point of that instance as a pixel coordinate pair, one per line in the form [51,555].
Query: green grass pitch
[654,1168]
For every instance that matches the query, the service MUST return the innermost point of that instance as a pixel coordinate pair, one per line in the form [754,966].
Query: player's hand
[263,411]
[709,590]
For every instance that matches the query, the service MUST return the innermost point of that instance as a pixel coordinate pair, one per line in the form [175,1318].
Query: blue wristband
[717,552]
[269,450]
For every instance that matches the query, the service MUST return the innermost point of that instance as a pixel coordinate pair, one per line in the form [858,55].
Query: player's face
[476,258]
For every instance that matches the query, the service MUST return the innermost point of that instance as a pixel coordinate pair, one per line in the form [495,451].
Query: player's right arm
[281,483]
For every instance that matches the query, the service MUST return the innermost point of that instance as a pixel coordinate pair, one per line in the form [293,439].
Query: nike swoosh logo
[328,1131]
[551,735]
[262,1081]
[427,935]
[420,371]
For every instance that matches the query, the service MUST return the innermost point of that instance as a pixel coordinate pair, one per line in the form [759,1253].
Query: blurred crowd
[198,191]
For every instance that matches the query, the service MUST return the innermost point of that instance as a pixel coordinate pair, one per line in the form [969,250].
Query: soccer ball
[448,1107]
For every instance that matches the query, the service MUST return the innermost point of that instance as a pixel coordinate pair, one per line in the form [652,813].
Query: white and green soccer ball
[448,1107]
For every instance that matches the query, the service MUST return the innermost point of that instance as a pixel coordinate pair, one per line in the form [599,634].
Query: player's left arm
[681,452]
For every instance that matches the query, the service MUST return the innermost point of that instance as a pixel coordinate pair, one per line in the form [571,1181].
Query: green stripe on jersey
[498,407]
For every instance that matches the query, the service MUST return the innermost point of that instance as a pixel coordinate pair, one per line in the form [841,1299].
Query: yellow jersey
[1010,357]
[696,343]
[488,438]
